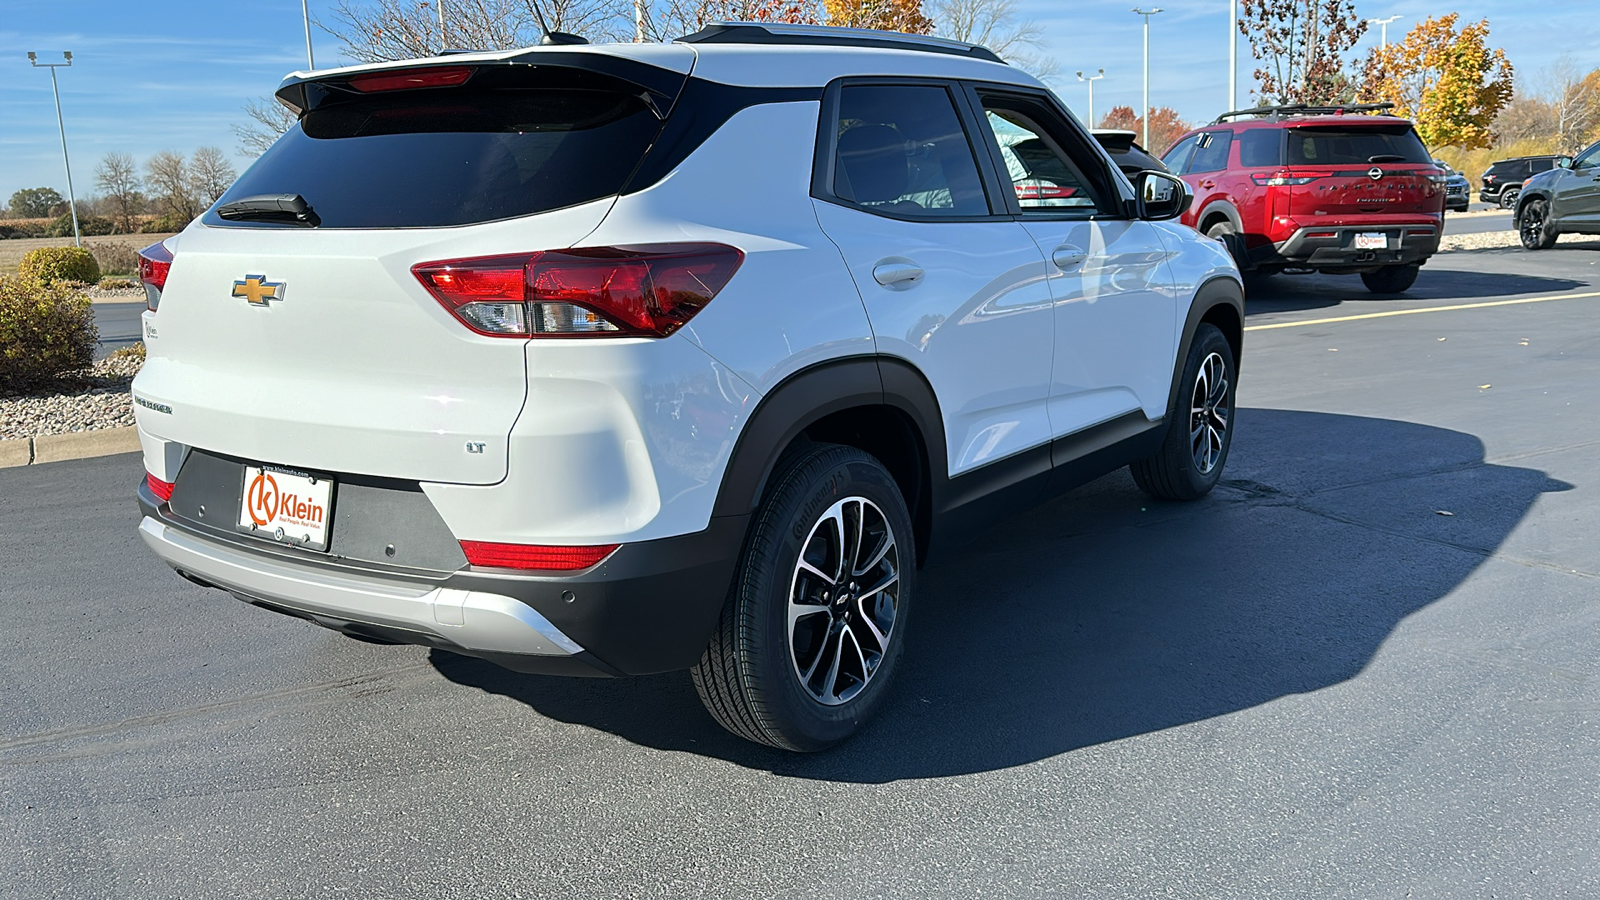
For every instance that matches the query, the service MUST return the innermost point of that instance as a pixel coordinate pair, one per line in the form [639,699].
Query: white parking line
[1428,309]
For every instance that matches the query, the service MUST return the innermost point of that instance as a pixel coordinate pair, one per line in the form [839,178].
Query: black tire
[1224,233]
[1195,448]
[1508,198]
[1390,279]
[1533,225]
[750,677]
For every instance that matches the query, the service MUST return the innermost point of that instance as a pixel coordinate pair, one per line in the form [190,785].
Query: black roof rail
[830,36]
[1277,113]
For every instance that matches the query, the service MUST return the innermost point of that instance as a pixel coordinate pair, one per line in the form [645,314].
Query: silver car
[1564,200]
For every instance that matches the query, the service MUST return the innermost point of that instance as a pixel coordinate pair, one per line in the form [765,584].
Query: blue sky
[174,75]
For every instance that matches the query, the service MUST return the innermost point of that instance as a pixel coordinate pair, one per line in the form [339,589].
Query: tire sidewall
[1207,340]
[807,492]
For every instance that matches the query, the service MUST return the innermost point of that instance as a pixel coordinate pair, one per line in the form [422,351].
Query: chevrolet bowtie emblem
[258,290]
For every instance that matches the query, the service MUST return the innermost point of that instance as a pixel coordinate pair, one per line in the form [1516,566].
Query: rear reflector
[162,489]
[408,79]
[642,291]
[155,262]
[529,556]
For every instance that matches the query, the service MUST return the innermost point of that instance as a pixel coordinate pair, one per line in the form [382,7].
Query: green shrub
[115,258]
[132,351]
[21,230]
[88,226]
[47,332]
[114,283]
[52,264]
[164,223]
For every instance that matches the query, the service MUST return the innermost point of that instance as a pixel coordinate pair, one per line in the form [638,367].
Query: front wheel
[1390,279]
[1533,228]
[815,623]
[1199,426]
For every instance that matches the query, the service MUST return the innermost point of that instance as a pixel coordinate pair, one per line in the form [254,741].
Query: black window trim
[823,169]
[1111,203]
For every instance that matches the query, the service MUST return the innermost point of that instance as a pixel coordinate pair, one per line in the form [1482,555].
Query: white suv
[635,358]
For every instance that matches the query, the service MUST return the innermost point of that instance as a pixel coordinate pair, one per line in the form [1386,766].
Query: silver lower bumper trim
[472,620]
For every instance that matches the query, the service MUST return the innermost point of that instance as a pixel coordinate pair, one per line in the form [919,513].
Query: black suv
[1502,181]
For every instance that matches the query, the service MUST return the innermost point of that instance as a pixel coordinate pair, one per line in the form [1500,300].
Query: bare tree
[1301,45]
[381,30]
[118,177]
[167,176]
[1574,97]
[210,174]
[995,24]
[1526,118]
[680,17]
[269,119]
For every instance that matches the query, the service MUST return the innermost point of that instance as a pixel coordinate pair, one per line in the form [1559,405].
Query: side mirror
[1161,196]
[1564,162]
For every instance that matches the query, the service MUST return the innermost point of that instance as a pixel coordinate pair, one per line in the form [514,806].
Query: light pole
[1233,54]
[1383,25]
[1091,80]
[442,44]
[72,201]
[305,13]
[1145,113]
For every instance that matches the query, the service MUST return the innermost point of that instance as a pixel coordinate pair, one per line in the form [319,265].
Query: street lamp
[1145,113]
[1233,54]
[1383,25]
[72,201]
[305,14]
[442,44]
[1091,80]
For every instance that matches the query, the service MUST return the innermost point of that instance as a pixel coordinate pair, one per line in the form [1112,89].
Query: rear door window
[454,156]
[1543,165]
[1211,153]
[902,151]
[1343,145]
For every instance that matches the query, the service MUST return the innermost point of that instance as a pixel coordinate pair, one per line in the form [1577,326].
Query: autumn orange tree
[884,15]
[1446,79]
[1166,126]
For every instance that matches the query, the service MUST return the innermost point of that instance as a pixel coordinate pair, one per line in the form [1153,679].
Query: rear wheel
[1533,226]
[1199,426]
[815,623]
[1508,198]
[1224,233]
[1390,279]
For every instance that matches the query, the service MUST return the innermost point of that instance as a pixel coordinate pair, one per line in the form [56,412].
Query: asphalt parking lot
[1364,667]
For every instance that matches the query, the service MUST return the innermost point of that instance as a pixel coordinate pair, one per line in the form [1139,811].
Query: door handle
[890,274]
[1207,183]
[1067,257]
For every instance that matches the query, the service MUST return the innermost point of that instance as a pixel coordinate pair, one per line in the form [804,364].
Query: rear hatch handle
[291,209]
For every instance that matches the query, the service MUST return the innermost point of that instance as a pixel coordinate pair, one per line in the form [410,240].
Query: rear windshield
[1336,145]
[456,156]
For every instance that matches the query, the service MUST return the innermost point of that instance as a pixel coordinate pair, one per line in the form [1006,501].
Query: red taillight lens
[647,291]
[162,489]
[407,79]
[529,556]
[155,261]
[1280,179]
[1043,192]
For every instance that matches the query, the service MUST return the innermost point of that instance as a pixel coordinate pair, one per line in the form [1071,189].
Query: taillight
[642,291]
[1278,179]
[162,489]
[155,261]
[1043,192]
[530,556]
[408,79]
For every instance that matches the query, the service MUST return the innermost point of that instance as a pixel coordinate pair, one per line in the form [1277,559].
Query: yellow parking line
[1428,309]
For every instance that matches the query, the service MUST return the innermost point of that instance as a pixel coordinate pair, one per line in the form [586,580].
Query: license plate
[1371,240]
[287,506]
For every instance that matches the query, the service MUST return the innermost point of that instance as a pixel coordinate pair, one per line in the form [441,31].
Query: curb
[49,448]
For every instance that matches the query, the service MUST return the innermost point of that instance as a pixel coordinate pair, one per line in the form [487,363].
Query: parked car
[1126,152]
[1338,190]
[1502,181]
[1562,200]
[1457,189]
[682,356]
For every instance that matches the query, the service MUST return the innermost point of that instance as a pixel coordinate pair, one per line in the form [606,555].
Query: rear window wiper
[291,209]
[1386,157]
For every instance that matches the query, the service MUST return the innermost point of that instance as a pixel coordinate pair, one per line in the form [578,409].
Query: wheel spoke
[830,682]
[816,571]
[798,611]
[885,544]
[878,637]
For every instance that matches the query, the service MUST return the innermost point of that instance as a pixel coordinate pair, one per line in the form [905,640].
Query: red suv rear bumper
[1330,247]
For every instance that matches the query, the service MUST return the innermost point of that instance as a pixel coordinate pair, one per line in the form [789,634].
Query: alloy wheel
[1533,225]
[843,599]
[1209,413]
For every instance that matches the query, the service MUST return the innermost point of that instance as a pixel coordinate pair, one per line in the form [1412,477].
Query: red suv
[1344,190]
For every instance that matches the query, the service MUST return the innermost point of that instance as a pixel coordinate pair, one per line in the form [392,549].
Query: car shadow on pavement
[1105,615]
[1288,293]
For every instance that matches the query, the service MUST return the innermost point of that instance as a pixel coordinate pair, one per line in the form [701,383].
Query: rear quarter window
[1261,147]
[433,158]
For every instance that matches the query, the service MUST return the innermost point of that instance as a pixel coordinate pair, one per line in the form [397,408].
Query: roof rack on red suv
[1347,189]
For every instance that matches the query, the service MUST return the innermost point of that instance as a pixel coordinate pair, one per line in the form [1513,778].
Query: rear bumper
[1333,247]
[650,607]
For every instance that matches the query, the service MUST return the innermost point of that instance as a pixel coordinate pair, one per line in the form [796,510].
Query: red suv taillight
[642,291]
[1278,179]
[155,261]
